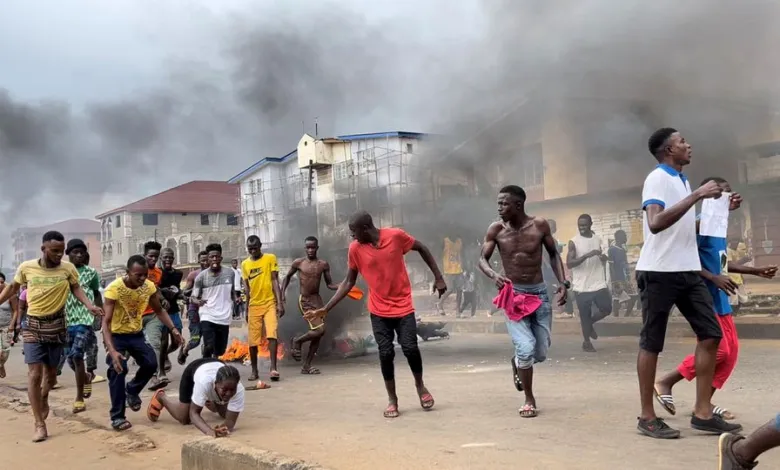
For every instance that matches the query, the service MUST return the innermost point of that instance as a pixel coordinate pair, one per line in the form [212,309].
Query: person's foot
[157,383]
[134,402]
[657,429]
[2,371]
[727,457]
[254,376]
[168,366]
[391,411]
[426,399]
[45,407]
[587,346]
[714,425]
[274,376]
[182,358]
[41,434]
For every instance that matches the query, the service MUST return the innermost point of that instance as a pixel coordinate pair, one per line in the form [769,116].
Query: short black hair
[214,247]
[202,253]
[361,218]
[168,249]
[514,190]
[2,276]
[253,239]
[621,232]
[53,236]
[587,217]
[136,259]
[657,141]
[151,245]
[716,179]
[311,238]
[228,373]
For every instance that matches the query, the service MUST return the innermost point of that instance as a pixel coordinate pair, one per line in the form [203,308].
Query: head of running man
[253,246]
[215,256]
[511,202]
[167,258]
[152,253]
[226,382]
[621,238]
[312,245]
[53,248]
[669,147]
[137,271]
[584,225]
[234,263]
[77,252]
[361,226]
[203,259]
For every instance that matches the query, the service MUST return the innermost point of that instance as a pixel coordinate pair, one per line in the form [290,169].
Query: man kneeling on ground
[209,383]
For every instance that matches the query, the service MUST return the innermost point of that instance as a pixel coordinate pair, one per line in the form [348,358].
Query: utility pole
[155,234]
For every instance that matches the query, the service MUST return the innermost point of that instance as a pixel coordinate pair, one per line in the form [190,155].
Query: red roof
[67,226]
[198,197]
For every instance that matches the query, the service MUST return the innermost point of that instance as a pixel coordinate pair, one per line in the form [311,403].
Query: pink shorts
[726,359]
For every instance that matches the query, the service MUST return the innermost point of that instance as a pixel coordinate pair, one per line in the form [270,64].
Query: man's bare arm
[108,315]
[277,293]
[293,269]
[9,291]
[660,218]
[488,246]
[572,260]
[197,420]
[346,285]
[328,278]
[230,420]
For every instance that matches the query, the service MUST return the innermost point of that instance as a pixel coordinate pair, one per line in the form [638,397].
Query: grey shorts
[48,354]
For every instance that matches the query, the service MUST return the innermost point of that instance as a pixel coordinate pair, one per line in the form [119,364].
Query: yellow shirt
[129,305]
[734,256]
[257,275]
[47,288]
[452,250]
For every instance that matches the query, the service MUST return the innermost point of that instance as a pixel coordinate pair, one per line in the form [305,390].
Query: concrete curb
[207,453]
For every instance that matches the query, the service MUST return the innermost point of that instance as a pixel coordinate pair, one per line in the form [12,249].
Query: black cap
[74,243]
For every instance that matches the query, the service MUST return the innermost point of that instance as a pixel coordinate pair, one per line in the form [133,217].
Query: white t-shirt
[238,278]
[674,249]
[589,276]
[217,291]
[204,390]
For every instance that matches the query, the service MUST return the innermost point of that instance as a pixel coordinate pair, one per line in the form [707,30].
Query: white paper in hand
[714,220]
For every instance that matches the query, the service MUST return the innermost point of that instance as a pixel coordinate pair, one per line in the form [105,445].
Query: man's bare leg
[81,379]
[665,384]
[253,359]
[273,345]
[314,344]
[646,363]
[179,411]
[527,378]
[706,352]
[392,399]
[34,381]
[745,451]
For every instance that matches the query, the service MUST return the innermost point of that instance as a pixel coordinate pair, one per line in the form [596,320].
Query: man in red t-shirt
[378,254]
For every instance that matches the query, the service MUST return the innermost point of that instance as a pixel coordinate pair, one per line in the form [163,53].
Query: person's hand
[284,298]
[726,284]
[96,311]
[439,286]
[767,272]
[314,314]
[177,339]
[735,202]
[501,281]
[710,189]
[117,361]
[200,302]
[221,431]
[560,295]
[604,258]
[280,309]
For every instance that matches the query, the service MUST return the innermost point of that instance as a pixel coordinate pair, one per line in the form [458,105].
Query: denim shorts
[80,337]
[47,354]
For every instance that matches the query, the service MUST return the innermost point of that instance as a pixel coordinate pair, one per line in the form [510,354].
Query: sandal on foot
[274,375]
[426,401]
[98,379]
[528,411]
[666,401]
[134,402]
[121,425]
[155,406]
[260,385]
[723,413]
[391,411]
[516,376]
[88,389]
[310,371]
[182,357]
[78,407]
[41,434]
[253,377]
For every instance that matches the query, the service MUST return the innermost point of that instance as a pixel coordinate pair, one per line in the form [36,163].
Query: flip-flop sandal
[155,406]
[78,407]
[426,401]
[98,379]
[159,384]
[724,413]
[182,357]
[528,411]
[311,371]
[134,402]
[88,390]
[274,375]
[296,353]
[391,412]
[516,376]
[666,401]
[121,425]
[260,385]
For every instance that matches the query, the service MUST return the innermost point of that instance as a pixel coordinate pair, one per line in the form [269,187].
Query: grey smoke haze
[238,85]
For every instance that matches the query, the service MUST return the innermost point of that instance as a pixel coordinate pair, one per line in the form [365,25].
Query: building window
[204,219]
[118,221]
[366,161]
[342,170]
[150,219]
[232,219]
[532,166]
[409,148]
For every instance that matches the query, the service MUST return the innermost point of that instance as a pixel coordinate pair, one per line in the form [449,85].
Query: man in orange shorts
[261,276]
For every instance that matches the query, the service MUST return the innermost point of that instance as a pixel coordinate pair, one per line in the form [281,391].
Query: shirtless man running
[520,238]
[310,271]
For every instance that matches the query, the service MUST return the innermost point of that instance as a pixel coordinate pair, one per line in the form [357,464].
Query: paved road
[588,406]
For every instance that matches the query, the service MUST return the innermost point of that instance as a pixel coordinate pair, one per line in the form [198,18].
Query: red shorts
[726,359]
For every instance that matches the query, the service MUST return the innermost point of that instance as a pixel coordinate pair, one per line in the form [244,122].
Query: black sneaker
[657,429]
[587,346]
[727,460]
[714,425]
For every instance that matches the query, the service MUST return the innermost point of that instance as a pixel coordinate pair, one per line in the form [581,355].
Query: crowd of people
[683,262]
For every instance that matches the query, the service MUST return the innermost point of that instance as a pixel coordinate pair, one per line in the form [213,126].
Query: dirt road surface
[588,407]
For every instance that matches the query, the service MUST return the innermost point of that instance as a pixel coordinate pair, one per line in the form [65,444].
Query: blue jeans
[131,345]
[531,335]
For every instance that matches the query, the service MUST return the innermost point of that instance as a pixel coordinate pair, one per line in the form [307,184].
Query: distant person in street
[623,291]
[125,301]
[469,286]
[170,291]
[716,272]
[8,313]
[239,287]
[205,383]
[311,270]
[586,260]
[49,281]
[668,274]
[452,264]
[214,292]
[520,239]
[80,321]
[549,276]
[192,309]
[737,452]
[153,329]
[261,280]
[378,255]
[738,257]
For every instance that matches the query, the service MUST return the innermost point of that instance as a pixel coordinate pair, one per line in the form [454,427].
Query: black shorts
[585,300]
[659,291]
[187,382]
